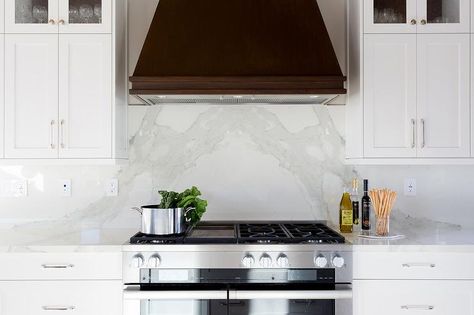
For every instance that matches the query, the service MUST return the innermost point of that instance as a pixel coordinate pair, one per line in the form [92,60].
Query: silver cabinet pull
[418,307]
[51,22]
[422,133]
[413,133]
[57,266]
[411,265]
[423,22]
[58,308]
[62,133]
[413,22]
[61,22]
[53,122]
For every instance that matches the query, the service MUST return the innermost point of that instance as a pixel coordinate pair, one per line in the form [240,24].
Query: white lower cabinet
[406,297]
[31,96]
[85,96]
[60,297]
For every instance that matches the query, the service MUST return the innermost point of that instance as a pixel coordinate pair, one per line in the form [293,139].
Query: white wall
[251,162]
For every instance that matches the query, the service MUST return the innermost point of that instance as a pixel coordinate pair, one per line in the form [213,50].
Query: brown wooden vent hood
[237,51]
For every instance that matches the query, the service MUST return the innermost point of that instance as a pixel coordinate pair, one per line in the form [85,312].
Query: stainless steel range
[243,268]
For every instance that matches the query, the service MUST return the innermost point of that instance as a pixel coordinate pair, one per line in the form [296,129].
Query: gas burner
[141,238]
[313,233]
[261,233]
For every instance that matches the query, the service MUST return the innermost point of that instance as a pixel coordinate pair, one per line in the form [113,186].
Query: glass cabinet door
[444,16]
[85,16]
[31,16]
[390,16]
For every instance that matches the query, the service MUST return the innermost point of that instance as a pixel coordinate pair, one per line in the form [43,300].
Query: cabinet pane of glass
[31,11]
[85,11]
[443,11]
[390,11]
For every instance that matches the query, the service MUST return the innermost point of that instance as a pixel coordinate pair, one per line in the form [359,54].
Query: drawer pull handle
[57,266]
[418,265]
[418,307]
[58,308]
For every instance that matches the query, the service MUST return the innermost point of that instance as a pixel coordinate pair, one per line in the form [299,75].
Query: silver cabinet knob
[61,22]
[338,261]
[320,261]
[282,261]
[265,261]
[423,22]
[413,22]
[248,261]
[51,22]
[154,261]
[137,261]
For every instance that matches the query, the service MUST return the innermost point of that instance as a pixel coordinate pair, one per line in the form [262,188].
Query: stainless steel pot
[159,221]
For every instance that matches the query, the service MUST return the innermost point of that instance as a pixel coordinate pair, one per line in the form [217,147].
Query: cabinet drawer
[413,265]
[60,297]
[404,297]
[61,266]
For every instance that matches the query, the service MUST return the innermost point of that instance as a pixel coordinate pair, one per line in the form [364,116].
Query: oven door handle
[134,293]
[291,294]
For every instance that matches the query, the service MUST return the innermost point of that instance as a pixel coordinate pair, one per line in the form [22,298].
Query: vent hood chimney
[237,51]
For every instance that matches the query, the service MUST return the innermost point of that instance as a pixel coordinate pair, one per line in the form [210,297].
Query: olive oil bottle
[346,213]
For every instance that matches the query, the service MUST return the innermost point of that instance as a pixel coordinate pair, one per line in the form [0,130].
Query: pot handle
[137,209]
[186,212]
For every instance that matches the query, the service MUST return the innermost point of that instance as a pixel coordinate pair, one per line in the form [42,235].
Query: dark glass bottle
[366,203]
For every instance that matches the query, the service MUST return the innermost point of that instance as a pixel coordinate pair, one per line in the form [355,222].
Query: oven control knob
[137,261]
[320,261]
[282,261]
[265,261]
[338,261]
[248,261]
[154,261]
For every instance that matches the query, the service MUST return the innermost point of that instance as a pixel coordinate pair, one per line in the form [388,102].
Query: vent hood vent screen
[237,99]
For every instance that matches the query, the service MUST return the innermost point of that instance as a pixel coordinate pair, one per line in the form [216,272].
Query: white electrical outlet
[66,187]
[19,188]
[410,187]
[112,187]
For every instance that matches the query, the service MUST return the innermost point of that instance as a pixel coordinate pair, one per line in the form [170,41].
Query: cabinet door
[2,99]
[85,96]
[31,16]
[85,16]
[60,297]
[2,17]
[390,16]
[31,95]
[406,297]
[444,95]
[444,16]
[389,95]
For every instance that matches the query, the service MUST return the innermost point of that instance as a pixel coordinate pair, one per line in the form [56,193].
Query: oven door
[238,302]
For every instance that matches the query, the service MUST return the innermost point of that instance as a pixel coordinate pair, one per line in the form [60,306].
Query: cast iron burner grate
[261,233]
[313,233]
[142,238]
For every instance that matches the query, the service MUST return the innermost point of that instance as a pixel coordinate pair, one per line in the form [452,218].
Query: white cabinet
[417,96]
[60,297]
[390,95]
[443,105]
[398,297]
[417,16]
[53,16]
[2,17]
[85,96]
[31,96]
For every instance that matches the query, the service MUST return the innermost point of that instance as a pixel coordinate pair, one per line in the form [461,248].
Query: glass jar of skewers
[382,200]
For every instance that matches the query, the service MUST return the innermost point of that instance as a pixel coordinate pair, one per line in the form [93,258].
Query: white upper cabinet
[2,17]
[390,16]
[28,16]
[390,96]
[85,16]
[53,16]
[417,16]
[85,96]
[444,95]
[31,95]
[443,16]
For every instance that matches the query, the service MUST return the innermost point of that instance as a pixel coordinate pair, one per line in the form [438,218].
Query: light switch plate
[19,188]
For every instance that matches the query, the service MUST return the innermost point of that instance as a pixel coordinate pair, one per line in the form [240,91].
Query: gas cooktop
[306,232]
